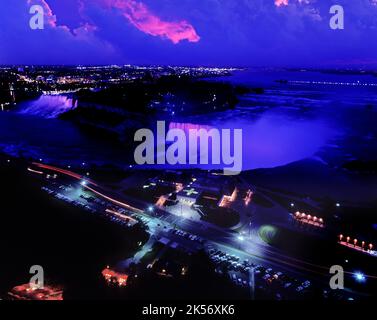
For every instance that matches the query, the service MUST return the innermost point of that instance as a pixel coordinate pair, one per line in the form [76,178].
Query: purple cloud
[257,32]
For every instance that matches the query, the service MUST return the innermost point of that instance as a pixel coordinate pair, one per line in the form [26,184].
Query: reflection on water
[53,140]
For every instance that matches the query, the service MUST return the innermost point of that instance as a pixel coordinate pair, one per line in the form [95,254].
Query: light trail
[34,171]
[119,203]
[65,172]
[80,177]
[120,215]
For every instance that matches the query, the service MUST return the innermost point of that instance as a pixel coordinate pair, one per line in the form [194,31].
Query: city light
[207,223]
[115,277]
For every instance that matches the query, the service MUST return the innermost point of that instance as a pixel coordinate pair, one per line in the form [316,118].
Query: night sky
[190,32]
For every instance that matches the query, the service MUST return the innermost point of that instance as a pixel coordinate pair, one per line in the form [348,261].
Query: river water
[330,121]
[33,130]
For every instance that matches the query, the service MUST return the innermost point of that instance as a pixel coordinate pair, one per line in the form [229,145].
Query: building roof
[189,192]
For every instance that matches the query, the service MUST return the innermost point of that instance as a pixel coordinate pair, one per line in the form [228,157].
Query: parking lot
[240,271]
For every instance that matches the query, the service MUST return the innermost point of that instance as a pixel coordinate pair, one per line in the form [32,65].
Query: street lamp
[83,183]
[340,237]
[360,277]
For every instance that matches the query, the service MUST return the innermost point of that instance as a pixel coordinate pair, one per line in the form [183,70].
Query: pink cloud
[139,15]
[279,3]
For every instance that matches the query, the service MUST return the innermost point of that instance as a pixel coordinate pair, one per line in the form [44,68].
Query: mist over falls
[48,106]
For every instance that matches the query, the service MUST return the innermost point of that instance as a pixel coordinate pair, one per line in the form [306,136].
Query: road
[161,221]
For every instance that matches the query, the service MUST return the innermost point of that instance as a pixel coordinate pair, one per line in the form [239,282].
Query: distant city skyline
[293,33]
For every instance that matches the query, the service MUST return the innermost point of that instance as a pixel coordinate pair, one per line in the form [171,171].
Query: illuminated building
[161,201]
[309,219]
[112,276]
[25,292]
[188,196]
[226,200]
[12,93]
